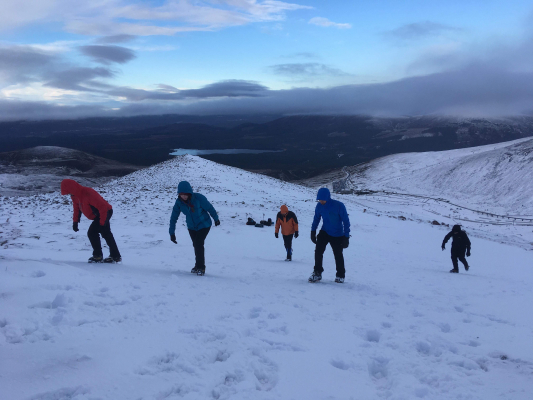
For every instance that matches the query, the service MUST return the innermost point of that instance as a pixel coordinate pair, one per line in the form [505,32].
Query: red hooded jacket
[85,200]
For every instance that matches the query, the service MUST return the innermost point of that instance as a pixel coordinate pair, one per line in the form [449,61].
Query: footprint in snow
[378,368]
[373,335]
[340,364]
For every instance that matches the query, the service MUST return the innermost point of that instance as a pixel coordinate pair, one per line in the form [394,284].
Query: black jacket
[460,242]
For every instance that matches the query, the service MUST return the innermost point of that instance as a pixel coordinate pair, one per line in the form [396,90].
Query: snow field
[401,327]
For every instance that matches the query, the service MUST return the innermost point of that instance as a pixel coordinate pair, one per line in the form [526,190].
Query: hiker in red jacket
[87,201]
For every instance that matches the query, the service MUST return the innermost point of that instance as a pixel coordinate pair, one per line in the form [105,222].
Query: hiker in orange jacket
[88,202]
[289,227]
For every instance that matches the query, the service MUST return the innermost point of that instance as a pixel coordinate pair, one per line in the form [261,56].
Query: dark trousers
[322,241]
[458,255]
[94,232]
[198,240]
[287,241]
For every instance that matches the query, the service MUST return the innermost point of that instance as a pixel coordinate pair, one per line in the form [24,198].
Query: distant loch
[196,152]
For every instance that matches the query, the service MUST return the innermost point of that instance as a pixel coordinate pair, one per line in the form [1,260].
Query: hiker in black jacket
[460,245]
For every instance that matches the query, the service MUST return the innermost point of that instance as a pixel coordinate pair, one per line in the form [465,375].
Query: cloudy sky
[72,58]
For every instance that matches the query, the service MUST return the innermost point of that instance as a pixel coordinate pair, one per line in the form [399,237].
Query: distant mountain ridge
[41,169]
[312,144]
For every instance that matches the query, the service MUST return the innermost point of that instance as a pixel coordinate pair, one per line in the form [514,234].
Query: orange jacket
[287,221]
[85,200]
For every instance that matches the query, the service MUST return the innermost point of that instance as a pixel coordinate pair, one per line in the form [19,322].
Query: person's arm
[446,238]
[77,212]
[345,220]
[207,206]
[294,222]
[316,219]
[174,218]
[278,223]
[468,244]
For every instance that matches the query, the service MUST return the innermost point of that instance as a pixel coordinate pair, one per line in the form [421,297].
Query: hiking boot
[315,277]
[96,259]
[289,257]
[112,260]
[198,271]
[454,271]
[467,267]
[339,279]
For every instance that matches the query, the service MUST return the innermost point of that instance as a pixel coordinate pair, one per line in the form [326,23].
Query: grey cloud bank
[472,91]
[418,30]
[108,54]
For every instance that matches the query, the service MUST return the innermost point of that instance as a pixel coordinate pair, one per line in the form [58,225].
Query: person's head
[284,210]
[184,190]
[69,186]
[323,195]
[456,229]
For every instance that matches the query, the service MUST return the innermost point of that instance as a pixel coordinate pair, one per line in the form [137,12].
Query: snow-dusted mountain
[40,169]
[401,327]
[494,177]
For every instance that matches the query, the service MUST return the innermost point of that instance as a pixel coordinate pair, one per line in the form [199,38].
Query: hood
[184,187]
[323,194]
[68,186]
[456,228]
[284,209]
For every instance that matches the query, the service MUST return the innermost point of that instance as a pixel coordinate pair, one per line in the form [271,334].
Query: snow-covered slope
[495,177]
[401,327]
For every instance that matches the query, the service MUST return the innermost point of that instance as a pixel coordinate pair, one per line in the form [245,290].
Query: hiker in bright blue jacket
[198,213]
[335,231]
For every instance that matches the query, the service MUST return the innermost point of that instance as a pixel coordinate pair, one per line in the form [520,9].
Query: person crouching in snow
[460,245]
[335,231]
[198,213]
[88,202]
[289,228]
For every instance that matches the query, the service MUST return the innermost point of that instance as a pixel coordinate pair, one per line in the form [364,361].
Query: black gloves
[173,238]
[75,227]
[313,237]
[345,242]
[217,223]
[276,235]
[443,246]
[468,253]
[296,234]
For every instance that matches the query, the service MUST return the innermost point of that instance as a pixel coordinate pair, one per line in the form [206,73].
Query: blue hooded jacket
[334,217]
[197,219]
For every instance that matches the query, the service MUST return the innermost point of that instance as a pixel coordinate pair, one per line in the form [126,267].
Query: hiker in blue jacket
[198,213]
[335,231]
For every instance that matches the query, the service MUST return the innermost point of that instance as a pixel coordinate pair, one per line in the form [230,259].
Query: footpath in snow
[401,327]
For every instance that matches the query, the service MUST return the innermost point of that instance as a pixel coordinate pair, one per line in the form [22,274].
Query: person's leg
[455,263]
[336,246]
[287,241]
[109,238]
[198,241]
[462,258]
[322,241]
[94,237]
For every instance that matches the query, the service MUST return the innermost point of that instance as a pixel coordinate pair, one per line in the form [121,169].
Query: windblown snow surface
[401,327]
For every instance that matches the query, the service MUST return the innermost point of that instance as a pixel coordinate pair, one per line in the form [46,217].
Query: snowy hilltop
[400,327]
